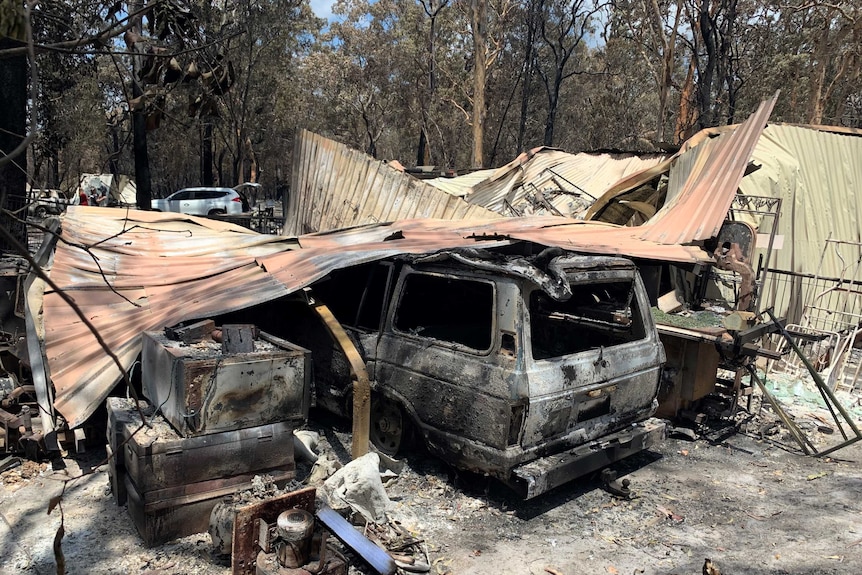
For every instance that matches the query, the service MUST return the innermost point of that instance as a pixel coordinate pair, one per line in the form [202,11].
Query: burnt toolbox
[201,390]
[166,514]
[155,457]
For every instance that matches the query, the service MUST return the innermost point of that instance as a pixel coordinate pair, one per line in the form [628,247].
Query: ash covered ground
[741,495]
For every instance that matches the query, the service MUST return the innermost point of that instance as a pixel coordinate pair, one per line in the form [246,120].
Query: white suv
[203,202]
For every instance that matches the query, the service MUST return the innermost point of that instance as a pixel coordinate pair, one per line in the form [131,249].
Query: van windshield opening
[601,314]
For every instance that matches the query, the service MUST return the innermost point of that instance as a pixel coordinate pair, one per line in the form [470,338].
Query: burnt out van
[532,369]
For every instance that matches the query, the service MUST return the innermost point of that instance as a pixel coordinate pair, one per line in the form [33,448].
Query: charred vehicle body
[532,369]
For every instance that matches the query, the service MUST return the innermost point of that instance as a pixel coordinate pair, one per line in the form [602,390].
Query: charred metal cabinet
[201,390]
[689,374]
[171,483]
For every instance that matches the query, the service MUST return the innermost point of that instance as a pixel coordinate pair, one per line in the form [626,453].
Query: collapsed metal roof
[134,271]
[547,181]
[700,193]
[131,271]
[334,186]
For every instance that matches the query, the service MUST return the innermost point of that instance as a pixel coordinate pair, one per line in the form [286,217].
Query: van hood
[547,269]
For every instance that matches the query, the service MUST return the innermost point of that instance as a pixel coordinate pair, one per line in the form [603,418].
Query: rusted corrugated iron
[162,267]
[700,207]
[168,268]
[700,193]
[336,187]
[559,174]
[461,185]
[608,207]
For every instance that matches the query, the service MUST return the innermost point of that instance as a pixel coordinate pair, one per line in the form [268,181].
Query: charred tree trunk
[727,62]
[207,154]
[220,167]
[371,148]
[13,124]
[423,154]
[553,104]
[479,21]
[113,159]
[527,69]
[706,26]
[143,184]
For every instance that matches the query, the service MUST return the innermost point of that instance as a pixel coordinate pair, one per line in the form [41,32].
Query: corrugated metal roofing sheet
[161,269]
[817,173]
[335,187]
[705,176]
[547,181]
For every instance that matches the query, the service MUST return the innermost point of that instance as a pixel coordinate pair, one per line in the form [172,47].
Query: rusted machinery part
[729,257]
[321,563]
[361,383]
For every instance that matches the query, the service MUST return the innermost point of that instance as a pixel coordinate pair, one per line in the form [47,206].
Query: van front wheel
[390,427]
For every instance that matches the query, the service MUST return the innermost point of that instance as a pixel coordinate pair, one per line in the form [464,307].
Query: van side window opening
[356,295]
[458,311]
[597,315]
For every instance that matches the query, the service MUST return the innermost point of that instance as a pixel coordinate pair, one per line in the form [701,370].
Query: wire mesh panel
[825,315]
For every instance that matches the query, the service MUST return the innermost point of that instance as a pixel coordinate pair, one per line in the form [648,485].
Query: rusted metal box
[171,483]
[690,372]
[166,514]
[201,390]
[155,457]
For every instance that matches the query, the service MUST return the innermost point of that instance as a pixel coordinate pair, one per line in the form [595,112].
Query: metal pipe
[840,446]
[817,379]
[832,412]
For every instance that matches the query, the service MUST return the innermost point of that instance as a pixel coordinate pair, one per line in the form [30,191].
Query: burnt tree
[13,125]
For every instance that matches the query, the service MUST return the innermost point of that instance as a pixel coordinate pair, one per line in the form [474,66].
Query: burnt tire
[390,428]
[41,212]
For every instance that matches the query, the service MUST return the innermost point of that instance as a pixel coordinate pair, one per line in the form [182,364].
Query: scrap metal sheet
[131,271]
[548,181]
[156,270]
[334,187]
[698,198]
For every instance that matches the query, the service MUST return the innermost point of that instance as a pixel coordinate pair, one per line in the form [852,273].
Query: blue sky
[322,8]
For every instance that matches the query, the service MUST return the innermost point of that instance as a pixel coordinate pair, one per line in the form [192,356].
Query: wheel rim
[387,426]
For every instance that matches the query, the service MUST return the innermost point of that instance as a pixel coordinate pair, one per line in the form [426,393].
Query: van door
[594,360]
[437,356]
